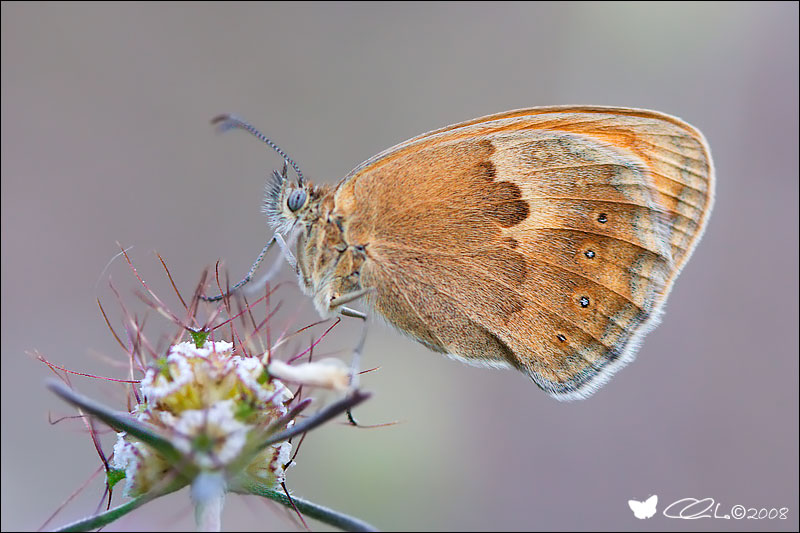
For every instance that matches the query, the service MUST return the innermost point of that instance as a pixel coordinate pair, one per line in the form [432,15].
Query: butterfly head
[288,203]
[285,203]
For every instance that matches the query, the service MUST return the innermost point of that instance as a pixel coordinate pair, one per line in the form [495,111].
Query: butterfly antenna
[229,122]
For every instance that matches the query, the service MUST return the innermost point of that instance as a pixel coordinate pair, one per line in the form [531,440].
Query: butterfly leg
[276,266]
[339,301]
[357,352]
[359,349]
[347,311]
[286,252]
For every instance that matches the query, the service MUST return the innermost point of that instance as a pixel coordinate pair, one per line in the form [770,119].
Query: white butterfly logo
[645,509]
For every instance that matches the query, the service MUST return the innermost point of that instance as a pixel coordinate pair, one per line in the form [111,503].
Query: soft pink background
[105,137]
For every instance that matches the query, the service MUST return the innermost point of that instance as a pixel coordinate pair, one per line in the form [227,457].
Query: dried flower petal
[328,373]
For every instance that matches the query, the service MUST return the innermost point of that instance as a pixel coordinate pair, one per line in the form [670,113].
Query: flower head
[209,413]
[210,404]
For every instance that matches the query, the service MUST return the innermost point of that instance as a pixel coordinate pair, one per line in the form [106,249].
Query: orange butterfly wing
[546,239]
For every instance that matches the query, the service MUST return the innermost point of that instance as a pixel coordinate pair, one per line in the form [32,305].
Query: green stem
[311,509]
[103,519]
[325,414]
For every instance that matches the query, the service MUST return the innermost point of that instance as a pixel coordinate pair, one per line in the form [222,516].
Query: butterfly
[543,239]
[645,509]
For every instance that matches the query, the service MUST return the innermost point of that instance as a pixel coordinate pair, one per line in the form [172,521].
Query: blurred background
[106,137]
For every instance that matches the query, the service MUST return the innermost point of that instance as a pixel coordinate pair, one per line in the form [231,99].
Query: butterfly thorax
[329,266]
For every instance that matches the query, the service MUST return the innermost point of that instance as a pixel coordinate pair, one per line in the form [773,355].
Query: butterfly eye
[296,200]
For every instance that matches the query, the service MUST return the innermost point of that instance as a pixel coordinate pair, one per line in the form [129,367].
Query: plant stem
[102,519]
[311,509]
[208,495]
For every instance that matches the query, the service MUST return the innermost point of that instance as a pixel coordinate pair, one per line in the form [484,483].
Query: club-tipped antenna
[229,122]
